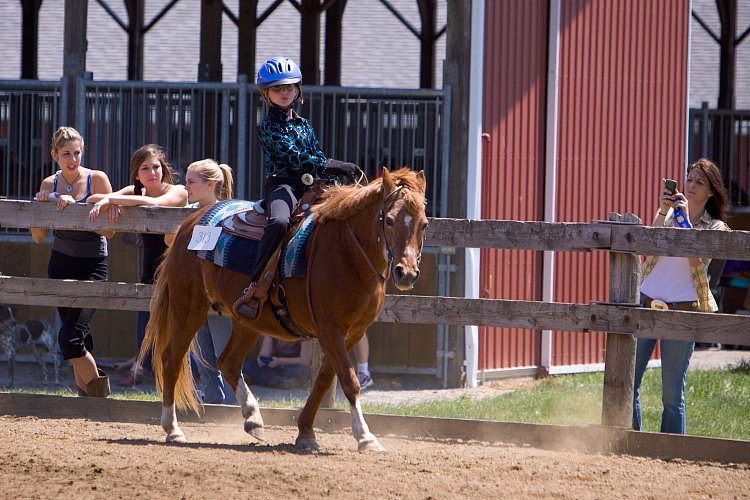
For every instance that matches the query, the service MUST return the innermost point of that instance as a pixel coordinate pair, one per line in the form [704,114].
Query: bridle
[389,253]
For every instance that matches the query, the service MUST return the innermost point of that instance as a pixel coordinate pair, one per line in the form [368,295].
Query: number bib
[204,238]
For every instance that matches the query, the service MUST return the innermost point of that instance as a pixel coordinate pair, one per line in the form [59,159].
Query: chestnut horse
[364,234]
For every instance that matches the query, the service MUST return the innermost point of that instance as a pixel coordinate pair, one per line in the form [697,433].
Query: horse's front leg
[366,440]
[323,379]
[336,355]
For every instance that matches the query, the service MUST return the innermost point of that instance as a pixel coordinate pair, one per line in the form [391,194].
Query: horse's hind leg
[230,364]
[173,360]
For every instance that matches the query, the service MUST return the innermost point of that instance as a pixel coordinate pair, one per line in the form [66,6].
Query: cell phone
[670,185]
[266,359]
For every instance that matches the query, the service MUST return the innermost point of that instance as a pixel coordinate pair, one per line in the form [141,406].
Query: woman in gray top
[79,255]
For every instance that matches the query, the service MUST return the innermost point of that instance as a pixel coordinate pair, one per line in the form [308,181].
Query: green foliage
[717,403]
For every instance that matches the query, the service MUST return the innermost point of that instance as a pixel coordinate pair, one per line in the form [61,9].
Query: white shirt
[670,281]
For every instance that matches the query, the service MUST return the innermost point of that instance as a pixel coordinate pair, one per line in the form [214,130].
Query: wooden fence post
[619,365]
[329,400]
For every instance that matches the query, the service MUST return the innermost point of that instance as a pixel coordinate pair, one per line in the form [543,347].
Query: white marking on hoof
[170,426]
[250,410]
[177,437]
[258,433]
[366,441]
[371,444]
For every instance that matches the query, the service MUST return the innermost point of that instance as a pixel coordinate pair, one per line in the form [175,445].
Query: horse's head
[403,223]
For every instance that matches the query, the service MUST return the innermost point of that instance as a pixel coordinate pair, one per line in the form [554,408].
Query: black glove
[349,170]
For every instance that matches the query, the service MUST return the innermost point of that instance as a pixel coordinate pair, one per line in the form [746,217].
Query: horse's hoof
[370,445]
[258,433]
[176,438]
[255,430]
[306,444]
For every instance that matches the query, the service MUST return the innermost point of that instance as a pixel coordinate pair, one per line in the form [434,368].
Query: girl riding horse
[292,157]
[361,237]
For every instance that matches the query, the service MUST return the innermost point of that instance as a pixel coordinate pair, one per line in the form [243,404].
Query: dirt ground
[48,458]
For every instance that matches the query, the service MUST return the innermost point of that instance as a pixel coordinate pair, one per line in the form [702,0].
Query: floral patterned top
[290,150]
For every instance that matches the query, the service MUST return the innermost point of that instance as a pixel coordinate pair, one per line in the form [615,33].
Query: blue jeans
[212,382]
[675,357]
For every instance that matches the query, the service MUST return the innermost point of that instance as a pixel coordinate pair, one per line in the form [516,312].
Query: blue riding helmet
[278,71]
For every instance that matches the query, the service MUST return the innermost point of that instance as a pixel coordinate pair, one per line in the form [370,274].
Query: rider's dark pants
[279,203]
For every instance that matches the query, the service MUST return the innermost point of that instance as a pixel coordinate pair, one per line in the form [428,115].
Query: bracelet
[663,215]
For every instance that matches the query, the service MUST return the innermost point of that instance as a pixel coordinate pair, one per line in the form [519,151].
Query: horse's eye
[389,220]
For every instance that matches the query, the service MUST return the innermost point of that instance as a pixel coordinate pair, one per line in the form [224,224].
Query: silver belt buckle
[307,179]
[659,305]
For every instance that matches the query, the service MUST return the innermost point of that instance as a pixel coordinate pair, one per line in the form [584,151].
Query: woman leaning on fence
[679,283]
[78,255]
[153,184]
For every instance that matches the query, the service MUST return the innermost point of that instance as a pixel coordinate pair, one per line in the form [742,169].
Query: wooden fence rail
[622,317]
[555,236]
[673,325]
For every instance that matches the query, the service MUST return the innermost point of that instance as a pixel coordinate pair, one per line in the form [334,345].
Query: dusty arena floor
[61,458]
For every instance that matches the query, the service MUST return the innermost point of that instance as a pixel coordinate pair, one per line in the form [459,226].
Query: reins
[381,279]
[389,257]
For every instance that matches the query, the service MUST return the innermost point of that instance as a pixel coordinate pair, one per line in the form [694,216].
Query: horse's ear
[421,181]
[388,184]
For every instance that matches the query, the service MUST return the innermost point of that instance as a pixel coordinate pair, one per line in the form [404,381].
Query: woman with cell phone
[679,283]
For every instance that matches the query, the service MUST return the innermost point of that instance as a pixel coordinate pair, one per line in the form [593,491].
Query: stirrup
[248,306]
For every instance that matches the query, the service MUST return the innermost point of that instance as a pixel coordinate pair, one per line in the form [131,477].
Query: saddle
[250,224]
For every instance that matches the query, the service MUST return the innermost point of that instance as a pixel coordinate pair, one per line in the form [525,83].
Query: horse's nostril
[399,272]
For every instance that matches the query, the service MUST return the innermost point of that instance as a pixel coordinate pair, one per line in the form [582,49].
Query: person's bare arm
[266,346]
[304,358]
[176,196]
[46,193]
[100,188]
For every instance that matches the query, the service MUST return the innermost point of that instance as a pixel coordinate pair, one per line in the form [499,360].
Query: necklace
[69,189]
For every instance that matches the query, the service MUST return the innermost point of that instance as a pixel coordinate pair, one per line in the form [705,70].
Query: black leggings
[279,203]
[75,333]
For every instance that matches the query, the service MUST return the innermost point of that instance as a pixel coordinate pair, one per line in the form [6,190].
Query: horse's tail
[161,326]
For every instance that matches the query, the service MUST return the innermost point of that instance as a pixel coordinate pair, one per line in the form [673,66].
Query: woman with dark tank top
[79,255]
[152,184]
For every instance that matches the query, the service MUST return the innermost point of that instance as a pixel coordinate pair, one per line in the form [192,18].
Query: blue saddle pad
[293,263]
[231,252]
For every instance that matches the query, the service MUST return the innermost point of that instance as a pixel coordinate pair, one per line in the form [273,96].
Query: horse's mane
[343,202]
